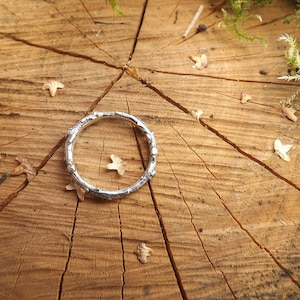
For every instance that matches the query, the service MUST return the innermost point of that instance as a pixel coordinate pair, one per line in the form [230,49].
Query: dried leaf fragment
[52,86]
[143,252]
[197,114]
[201,62]
[289,112]
[25,167]
[281,150]
[245,97]
[133,72]
[117,164]
[75,187]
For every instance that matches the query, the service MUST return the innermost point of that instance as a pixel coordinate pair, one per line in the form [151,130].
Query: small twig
[194,20]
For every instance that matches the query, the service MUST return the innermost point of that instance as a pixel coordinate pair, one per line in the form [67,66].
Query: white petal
[281,150]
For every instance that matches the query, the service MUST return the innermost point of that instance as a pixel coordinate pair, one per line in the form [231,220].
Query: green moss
[238,13]
[116,7]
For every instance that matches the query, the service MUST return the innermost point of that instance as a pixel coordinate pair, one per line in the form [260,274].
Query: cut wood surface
[222,212]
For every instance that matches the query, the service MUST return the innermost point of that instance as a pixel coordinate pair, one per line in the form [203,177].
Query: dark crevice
[162,95]
[244,153]
[59,51]
[24,184]
[123,255]
[168,246]
[190,213]
[204,163]
[50,154]
[60,291]
[79,30]
[285,270]
[228,285]
[162,226]
[138,31]
[13,195]
[105,92]
[220,77]
[220,135]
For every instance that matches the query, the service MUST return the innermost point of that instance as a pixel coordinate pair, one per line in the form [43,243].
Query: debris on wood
[52,86]
[133,72]
[72,186]
[197,114]
[245,97]
[25,167]
[281,150]
[4,177]
[143,252]
[117,164]
[201,28]
[201,62]
[194,20]
[263,72]
[289,112]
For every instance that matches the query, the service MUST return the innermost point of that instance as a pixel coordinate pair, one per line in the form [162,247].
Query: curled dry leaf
[143,252]
[52,86]
[201,62]
[117,164]
[197,114]
[281,150]
[25,167]
[289,112]
[75,187]
[245,97]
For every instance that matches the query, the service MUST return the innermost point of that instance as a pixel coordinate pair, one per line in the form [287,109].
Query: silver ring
[74,132]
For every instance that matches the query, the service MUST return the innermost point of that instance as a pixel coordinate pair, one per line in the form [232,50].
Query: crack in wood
[249,156]
[285,270]
[123,253]
[227,283]
[59,51]
[79,30]
[13,195]
[138,31]
[61,283]
[24,184]
[87,11]
[105,92]
[220,135]
[167,244]
[220,77]
[190,213]
[162,226]
[191,148]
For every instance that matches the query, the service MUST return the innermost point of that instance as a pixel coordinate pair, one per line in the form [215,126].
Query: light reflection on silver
[75,131]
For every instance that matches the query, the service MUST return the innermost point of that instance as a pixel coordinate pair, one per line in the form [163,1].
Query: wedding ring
[75,131]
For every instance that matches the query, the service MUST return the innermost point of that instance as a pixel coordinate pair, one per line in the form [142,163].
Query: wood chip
[245,97]
[52,86]
[289,112]
[197,114]
[201,62]
[281,150]
[143,252]
[117,164]
[75,187]
[25,167]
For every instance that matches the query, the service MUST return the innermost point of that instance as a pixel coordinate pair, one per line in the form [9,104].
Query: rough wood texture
[222,212]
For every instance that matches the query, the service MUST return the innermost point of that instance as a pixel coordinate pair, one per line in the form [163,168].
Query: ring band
[75,131]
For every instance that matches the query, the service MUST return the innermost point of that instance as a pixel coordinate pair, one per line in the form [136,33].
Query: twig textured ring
[75,131]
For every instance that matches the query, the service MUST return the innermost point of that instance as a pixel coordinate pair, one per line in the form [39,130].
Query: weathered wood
[221,214]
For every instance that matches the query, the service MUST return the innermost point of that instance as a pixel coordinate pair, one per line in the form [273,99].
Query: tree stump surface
[222,212]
